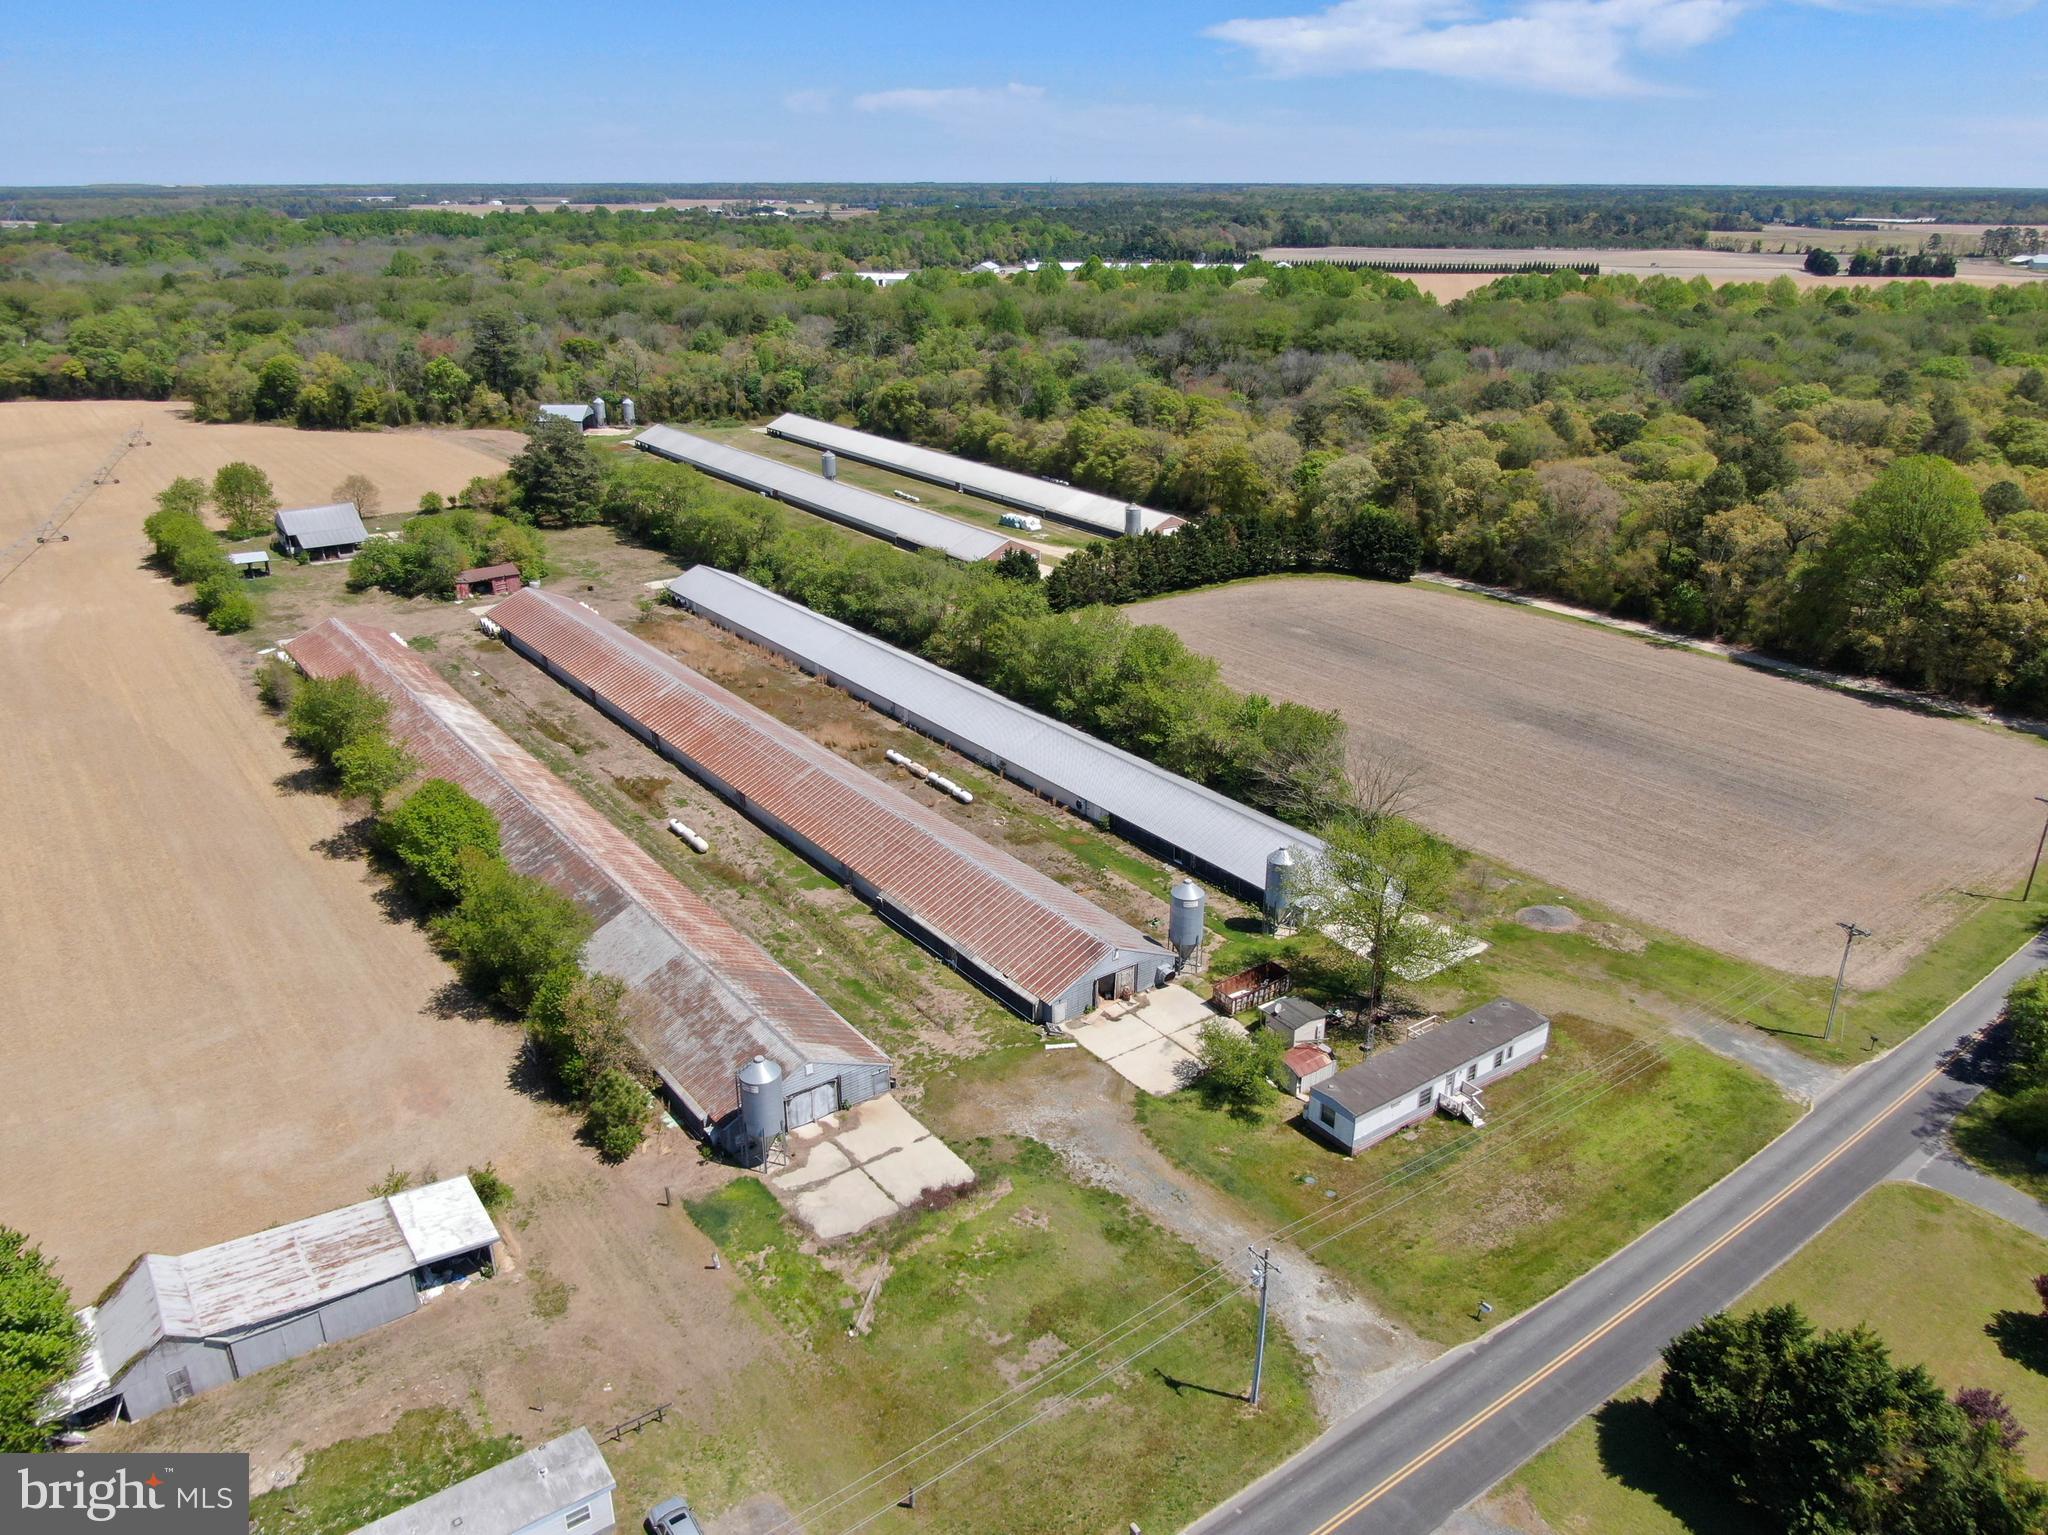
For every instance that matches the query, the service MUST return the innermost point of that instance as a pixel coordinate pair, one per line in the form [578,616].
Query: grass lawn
[1655,973]
[1981,1134]
[977,1296]
[349,1484]
[1511,1223]
[1927,1272]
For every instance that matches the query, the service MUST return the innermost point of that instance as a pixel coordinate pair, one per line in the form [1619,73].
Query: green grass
[1982,1135]
[1927,1272]
[978,1295]
[347,1485]
[1511,1222]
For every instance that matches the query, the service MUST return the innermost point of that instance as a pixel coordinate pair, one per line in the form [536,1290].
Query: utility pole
[1854,932]
[1262,1276]
[2036,869]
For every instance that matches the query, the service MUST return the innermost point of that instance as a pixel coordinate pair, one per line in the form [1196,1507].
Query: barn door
[179,1384]
[812,1103]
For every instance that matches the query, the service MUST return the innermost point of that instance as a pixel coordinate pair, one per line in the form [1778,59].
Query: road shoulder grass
[1943,1283]
[1434,1225]
[973,1299]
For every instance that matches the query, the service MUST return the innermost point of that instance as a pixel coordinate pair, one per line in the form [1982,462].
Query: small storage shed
[251,562]
[1304,1066]
[331,532]
[174,1327]
[488,581]
[1298,1021]
[1397,1086]
[562,1487]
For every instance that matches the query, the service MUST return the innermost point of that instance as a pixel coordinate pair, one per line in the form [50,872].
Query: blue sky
[1747,91]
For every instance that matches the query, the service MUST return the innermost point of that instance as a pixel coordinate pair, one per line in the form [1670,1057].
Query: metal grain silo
[1283,875]
[627,415]
[1134,521]
[761,1089]
[597,405]
[829,463]
[1184,927]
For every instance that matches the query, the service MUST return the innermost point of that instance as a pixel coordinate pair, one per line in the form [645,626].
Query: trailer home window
[1426,1097]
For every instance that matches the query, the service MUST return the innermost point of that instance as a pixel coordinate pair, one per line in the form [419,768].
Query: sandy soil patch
[1745,811]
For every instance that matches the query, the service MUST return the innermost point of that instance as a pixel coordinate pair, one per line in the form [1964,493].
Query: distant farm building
[488,581]
[1036,945]
[706,999]
[331,532]
[906,526]
[251,562]
[588,416]
[562,1487]
[1024,492]
[174,1327]
[1195,828]
[1397,1086]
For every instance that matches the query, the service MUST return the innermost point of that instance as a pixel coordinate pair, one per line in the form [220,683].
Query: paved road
[1406,1464]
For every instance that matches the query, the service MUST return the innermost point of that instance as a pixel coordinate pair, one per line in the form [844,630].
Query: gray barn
[331,532]
[174,1327]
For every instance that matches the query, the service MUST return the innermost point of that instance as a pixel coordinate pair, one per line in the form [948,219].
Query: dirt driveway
[1079,1107]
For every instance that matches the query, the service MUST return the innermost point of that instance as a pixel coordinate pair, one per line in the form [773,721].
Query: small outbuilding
[331,532]
[1397,1086]
[562,1487]
[488,581]
[1298,1021]
[1255,987]
[174,1327]
[1304,1066]
[251,562]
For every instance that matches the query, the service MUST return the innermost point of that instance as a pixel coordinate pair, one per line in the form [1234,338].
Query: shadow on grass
[1634,1451]
[2022,1336]
[1177,1386]
[309,778]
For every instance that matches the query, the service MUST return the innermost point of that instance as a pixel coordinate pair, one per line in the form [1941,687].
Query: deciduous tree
[41,1342]
[243,494]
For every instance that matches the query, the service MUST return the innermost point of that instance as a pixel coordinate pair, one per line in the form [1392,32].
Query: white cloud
[1568,47]
[952,103]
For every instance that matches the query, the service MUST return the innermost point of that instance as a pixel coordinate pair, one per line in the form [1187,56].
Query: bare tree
[360,489]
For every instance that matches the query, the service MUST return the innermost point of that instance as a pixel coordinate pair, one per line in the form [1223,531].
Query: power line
[1630,1061]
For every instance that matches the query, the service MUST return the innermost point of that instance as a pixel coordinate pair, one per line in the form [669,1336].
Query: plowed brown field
[208,1024]
[1745,811]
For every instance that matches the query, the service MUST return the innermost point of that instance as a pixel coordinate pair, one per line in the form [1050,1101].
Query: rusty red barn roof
[988,905]
[487,573]
[708,998]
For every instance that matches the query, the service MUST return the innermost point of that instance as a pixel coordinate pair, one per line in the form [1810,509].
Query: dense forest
[1855,476]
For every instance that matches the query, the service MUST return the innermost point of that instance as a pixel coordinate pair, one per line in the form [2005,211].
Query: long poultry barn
[706,999]
[1041,948]
[907,527]
[1006,487]
[1187,824]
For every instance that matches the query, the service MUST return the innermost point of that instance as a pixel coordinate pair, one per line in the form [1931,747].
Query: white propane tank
[695,843]
[895,756]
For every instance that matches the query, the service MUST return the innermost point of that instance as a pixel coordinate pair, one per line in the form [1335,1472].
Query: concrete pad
[825,1160]
[840,1206]
[910,1172]
[1155,1067]
[880,1125]
[1174,1010]
[1109,1038]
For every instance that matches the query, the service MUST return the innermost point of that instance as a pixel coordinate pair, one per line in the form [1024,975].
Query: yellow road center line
[1502,1403]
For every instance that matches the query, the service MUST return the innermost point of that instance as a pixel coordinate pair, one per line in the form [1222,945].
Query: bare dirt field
[1744,811]
[210,1024]
[1717,266]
